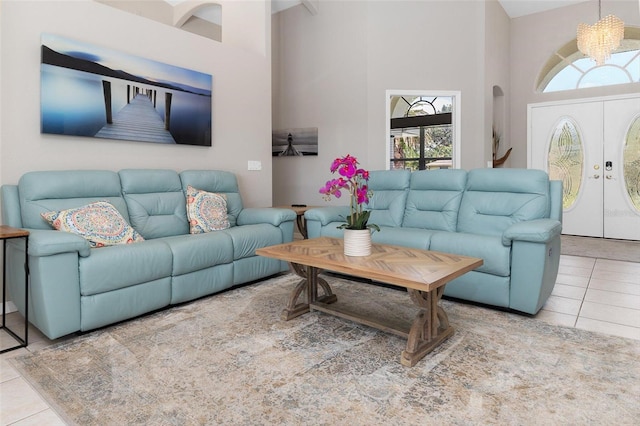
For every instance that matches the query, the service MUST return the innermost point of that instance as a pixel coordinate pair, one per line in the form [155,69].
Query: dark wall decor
[294,142]
[88,90]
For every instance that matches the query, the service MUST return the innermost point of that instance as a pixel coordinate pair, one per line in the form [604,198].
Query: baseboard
[10,307]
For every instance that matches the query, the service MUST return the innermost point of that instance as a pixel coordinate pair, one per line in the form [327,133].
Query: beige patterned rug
[229,359]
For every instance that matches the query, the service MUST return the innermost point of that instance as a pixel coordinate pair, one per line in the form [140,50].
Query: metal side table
[8,233]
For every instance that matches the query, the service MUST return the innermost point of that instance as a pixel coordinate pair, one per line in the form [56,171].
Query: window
[421,132]
[569,69]
[631,163]
[566,160]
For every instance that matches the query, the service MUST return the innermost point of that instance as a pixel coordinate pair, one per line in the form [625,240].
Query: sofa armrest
[326,215]
[11,206]
[534,231]
[44,242]
[274,216]
[534,269]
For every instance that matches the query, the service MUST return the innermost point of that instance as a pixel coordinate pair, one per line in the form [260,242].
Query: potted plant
[357,235]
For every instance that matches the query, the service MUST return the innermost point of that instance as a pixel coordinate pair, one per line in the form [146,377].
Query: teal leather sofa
[74,287]
[511,218]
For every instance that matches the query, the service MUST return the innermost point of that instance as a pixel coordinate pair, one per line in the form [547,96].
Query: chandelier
[597,41]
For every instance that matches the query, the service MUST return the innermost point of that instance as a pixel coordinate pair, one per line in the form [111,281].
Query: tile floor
[592,294]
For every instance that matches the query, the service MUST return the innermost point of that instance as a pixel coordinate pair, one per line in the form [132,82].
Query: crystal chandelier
[598,40]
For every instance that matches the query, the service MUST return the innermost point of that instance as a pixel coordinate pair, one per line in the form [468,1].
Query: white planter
[357,242]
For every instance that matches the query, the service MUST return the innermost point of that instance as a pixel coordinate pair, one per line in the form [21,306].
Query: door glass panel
[566,160]
[631,163]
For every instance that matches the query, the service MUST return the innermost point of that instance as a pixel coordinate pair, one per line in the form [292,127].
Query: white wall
[331,71]
[320,82]
[534,39]
[497,49]
[241,107]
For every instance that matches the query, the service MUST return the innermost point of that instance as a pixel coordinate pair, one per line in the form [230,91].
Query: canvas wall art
[294,142]
[87,90]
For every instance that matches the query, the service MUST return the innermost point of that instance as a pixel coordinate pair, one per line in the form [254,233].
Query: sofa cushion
[332,229]
[497,198]
[98,310]
[195,252]
[219,182]
[115,267]
[406,237]
[100,223]
[201,282]
[156,202]
[434,199]
[496,256]
[387,202]
[481,288]
[45,191]
[247,238]
[206,211]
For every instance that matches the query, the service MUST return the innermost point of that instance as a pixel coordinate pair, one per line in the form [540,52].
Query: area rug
[603,248]
[229,359]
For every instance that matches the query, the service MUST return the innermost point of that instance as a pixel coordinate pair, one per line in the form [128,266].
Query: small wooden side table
[302,224]
[8,233]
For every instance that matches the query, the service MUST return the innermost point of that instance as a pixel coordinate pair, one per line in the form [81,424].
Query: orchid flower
[354,181]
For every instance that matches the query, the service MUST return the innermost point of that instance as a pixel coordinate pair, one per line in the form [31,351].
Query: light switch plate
[254,165]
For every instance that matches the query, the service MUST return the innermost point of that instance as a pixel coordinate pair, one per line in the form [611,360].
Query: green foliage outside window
[438,145]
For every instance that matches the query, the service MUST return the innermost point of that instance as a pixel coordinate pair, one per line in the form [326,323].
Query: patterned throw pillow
[206,211]
[100,223]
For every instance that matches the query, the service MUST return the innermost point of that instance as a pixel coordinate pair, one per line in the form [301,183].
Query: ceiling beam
[312,6]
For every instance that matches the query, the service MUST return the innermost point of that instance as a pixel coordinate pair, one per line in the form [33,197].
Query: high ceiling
[514,8]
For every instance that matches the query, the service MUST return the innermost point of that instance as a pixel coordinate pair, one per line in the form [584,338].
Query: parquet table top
[422,270]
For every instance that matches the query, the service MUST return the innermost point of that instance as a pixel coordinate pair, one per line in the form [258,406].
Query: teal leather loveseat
[511,218]
[74,287]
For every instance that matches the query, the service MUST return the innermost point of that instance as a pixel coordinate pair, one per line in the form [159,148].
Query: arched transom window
[569,69]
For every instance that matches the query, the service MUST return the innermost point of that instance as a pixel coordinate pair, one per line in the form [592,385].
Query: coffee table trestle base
[307,287]
[429,328]
[423,273]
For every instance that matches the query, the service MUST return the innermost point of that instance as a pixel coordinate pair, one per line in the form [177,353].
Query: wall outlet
[254,165]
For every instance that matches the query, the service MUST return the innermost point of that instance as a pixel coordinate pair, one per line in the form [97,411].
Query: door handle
[610,177]
[596,176]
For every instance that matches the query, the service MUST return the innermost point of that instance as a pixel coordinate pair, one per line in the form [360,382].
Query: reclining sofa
[511,218]
[75,287]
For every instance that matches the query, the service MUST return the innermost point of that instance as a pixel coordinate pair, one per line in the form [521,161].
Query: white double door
[583,143]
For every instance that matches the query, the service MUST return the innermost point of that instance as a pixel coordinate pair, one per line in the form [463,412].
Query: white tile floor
[596,294]
[592,294]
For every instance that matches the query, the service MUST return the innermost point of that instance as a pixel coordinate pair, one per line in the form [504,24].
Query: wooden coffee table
[423,273]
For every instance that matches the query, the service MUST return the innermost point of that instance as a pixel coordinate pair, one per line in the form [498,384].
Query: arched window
[569,69]
[421,132]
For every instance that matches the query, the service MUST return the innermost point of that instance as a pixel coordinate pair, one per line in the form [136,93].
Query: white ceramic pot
[357,242]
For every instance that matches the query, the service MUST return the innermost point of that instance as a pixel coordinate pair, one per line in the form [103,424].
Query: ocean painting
[92,91]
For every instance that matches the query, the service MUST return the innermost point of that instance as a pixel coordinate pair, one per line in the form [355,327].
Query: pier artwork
[93,91]
[138,120]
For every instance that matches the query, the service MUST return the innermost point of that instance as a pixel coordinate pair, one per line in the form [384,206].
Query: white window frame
[456,120]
